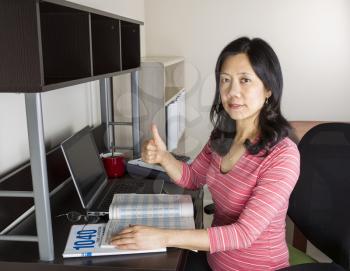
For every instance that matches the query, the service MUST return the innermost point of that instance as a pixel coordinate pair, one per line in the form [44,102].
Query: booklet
[158,210]
[85,241]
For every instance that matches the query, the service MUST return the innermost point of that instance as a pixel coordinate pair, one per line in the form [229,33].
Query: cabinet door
[130,35]
[105,44]
[19,51]
[65,43]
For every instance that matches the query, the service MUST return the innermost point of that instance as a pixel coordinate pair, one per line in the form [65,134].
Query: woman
[249,164]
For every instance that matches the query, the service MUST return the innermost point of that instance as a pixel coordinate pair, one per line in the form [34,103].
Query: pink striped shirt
[251,201]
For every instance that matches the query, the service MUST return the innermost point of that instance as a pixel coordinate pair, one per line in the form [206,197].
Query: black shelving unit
[50,44]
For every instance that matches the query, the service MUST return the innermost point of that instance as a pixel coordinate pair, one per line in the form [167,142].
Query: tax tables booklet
[158,210]
[85,241]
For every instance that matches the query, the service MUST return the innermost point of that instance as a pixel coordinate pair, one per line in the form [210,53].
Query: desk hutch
[50,44]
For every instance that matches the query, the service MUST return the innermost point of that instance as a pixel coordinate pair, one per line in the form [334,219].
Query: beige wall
[311,38]
[65,110]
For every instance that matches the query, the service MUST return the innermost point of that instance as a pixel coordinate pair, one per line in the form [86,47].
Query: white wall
[311,38]
[65,110]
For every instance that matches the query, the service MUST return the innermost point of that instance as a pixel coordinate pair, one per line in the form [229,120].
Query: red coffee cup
[114,165]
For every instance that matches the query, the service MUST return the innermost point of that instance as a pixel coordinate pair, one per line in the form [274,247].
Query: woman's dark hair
[273,126]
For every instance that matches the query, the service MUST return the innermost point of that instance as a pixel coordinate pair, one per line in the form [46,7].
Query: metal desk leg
[106,109]
[135,113]
[39,175]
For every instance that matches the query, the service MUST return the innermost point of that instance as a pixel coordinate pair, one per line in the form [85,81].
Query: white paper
[172,125]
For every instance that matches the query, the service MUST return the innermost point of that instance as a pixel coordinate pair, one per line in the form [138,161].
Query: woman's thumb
[156,137]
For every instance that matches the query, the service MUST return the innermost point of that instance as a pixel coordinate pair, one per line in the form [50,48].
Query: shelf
[105,44]
[48,44]
[171,93]
[171,68]
[65,43]
[130,40]
[161,83]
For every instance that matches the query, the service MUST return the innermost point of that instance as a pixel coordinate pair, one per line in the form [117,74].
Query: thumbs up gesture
[154,150]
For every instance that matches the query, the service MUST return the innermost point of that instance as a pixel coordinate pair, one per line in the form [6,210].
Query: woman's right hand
[154,150]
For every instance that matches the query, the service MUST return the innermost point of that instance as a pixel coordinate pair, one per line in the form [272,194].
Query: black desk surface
[25,256]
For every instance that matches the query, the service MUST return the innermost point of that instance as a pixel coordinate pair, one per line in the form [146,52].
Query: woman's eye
[245,80]
[224,80]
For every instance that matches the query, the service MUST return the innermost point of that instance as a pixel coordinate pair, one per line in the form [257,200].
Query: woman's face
[242,92]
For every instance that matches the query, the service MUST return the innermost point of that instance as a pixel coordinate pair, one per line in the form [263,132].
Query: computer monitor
[85,166]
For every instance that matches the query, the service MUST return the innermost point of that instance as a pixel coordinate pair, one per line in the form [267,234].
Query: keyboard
[141,163]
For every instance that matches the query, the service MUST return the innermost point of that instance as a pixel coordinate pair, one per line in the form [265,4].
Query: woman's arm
[144,237]
[189,176]
[188,239]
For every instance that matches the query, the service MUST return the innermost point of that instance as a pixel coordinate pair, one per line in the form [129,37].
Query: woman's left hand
[140,237]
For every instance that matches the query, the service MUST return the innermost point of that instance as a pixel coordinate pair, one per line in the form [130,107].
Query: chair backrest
[320,202]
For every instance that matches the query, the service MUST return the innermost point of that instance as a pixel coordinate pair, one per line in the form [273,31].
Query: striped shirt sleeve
[275,183]
[194,175]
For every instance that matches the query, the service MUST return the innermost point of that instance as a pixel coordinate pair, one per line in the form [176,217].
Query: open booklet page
[158,210]
[85,241]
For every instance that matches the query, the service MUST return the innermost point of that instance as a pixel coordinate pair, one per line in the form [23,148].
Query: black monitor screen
[84,164]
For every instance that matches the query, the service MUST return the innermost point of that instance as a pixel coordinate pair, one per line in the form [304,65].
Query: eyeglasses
[75,217]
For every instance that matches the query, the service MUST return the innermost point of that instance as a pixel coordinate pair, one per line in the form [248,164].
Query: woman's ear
[268,94]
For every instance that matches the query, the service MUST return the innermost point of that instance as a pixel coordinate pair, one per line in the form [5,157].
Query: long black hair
[273,126]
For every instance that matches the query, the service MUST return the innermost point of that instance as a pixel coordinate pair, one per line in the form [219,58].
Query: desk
[24,256]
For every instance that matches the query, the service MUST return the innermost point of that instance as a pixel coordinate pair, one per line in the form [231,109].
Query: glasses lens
[73,216]
[92,219]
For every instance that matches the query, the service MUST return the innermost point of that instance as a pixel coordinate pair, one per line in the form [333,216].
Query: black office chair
[320,203]
[314,267]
